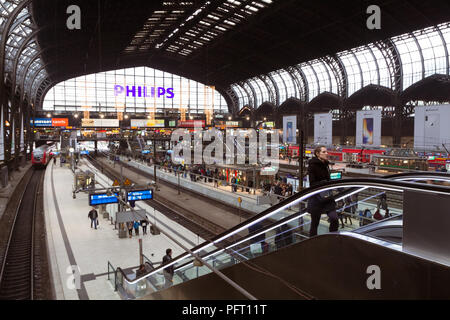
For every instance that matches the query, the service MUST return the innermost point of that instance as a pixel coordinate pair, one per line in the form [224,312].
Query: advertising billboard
[191,123]
[323,128]
[42,122]
[50,122]
[109,123]
[368,128]
[144,123]
[60,122]
[430,133]
[290,129]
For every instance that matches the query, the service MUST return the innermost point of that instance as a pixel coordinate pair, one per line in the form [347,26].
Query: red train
[41,155]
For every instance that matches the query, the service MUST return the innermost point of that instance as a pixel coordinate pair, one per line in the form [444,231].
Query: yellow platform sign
[116,183]
[127,182]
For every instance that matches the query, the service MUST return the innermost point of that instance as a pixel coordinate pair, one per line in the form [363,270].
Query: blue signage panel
[140,195]
[42,122]
[84,152]
[145,151]
[336,175]
[102,198]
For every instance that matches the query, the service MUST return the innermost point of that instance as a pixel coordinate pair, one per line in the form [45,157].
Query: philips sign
[143,91]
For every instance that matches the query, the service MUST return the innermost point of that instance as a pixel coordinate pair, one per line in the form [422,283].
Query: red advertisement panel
[60,122]
[191,123]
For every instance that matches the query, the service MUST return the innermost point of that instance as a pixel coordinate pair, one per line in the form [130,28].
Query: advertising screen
[99,122]
[60,122]
[368,128]
[191,123]
[432,126]
[323,128]
[42,122]
[336,175]
[367,131]
[102,198]
[140,195]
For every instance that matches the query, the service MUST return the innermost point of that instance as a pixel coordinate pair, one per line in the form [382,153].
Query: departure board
[102,198]
[140,195]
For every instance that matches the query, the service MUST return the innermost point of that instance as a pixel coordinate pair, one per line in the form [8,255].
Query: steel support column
[3,99]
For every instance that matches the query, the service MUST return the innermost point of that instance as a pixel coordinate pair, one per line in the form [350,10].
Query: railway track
[20,269]
[188,219]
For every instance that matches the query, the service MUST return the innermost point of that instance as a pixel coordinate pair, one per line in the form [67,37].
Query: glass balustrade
[357,201]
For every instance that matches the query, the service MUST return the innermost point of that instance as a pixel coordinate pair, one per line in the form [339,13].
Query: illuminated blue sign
[336,175]
[138,91]
[140,195]
[145,151]
[42,122]
[84,152]
[102,198]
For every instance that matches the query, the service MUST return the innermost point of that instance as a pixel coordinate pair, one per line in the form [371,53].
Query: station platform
[73,244]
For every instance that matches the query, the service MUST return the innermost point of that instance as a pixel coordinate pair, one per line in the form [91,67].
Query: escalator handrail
[302,195]
[418,174]
[278,223]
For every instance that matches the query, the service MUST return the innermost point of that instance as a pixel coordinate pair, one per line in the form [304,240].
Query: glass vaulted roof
[182,27]
[421,54]
[20,29]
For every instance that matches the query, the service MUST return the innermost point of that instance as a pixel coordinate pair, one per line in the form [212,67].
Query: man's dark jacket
[318,172]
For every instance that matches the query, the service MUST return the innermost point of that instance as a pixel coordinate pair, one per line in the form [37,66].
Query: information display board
[102,198]
[336,175]
[140,195]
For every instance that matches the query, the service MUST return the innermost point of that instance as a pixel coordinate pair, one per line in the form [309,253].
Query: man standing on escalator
[318,171]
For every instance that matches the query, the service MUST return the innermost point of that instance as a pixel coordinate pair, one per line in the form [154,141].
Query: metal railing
[227,249]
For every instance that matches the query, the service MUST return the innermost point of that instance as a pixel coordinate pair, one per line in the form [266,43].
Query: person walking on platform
[54,160]
[93,215]
[168,272]
[136,227]
[318,171]
[144,226]
[130,228]
[233,183]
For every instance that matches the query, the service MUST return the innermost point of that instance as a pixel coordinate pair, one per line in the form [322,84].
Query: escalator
[271,255]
